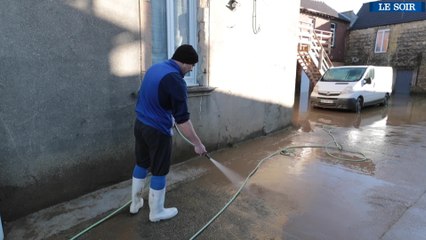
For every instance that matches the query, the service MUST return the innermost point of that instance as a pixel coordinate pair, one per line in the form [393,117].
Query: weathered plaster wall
[70,71]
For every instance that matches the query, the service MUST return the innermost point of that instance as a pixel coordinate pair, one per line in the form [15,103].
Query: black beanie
[186,54]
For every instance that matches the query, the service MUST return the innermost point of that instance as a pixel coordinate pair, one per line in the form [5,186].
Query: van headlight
[347,90]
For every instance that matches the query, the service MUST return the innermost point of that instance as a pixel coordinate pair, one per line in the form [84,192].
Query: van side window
[370,74]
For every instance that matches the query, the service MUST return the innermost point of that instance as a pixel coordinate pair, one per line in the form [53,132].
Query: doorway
[403,82]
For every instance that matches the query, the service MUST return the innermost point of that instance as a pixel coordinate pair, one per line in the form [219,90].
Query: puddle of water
[402,109]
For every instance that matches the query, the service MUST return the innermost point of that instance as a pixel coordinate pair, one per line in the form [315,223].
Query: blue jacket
[162,97]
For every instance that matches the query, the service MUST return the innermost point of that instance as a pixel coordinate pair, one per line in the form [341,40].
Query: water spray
[232,176]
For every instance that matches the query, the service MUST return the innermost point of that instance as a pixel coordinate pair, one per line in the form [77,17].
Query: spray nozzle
[207,156]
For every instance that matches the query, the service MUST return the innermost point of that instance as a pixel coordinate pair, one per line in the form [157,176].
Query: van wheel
[358,105]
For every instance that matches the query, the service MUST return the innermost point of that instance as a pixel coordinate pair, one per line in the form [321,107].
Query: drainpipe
[145,36]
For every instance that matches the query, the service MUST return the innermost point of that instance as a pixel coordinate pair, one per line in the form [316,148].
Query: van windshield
[343,74]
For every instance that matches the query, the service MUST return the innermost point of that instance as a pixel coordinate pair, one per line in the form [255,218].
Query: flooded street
[378,197]
[336,175]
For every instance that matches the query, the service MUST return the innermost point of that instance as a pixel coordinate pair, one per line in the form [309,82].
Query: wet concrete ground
[304,194]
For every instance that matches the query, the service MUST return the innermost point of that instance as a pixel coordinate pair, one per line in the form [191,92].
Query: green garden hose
[101,221]
[284,151]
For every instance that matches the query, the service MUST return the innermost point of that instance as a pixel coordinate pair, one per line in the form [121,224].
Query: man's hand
[200,149]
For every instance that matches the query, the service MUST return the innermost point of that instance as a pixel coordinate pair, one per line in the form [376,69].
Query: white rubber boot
[156,206]
[137,200]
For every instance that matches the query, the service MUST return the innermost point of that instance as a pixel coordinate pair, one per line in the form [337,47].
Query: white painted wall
[257,66]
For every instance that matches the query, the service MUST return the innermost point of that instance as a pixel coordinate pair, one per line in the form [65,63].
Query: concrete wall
[406,51]
[70,71]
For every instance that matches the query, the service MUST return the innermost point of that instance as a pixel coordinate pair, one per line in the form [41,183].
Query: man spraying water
[162,101]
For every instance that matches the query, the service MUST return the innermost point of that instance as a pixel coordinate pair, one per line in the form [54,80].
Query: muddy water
[402,109]
[309,194]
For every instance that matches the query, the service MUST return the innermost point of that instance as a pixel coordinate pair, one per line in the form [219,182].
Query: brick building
[325,19]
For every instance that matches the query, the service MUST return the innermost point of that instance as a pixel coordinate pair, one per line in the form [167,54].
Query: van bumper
[339,103]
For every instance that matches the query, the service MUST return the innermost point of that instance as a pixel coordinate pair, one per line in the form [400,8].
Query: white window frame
[190,78]
[333,27]
[380,42]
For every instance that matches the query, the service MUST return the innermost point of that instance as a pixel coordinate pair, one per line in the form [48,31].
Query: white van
[353,87]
